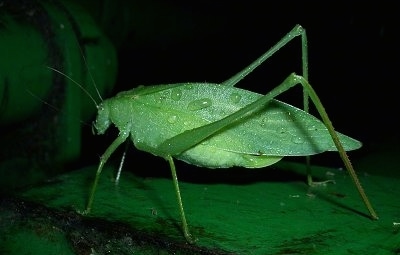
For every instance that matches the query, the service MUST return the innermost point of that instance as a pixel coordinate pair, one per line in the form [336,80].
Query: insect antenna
[56,109]
[79,85]
[90,74]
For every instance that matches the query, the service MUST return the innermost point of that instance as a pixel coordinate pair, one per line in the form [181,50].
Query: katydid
[220,126]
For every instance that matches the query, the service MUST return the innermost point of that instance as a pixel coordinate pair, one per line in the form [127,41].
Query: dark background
[353,55]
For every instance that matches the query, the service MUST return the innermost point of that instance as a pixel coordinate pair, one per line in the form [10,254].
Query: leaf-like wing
[174,118]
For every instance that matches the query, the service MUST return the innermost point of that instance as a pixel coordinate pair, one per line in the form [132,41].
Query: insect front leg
[103,159]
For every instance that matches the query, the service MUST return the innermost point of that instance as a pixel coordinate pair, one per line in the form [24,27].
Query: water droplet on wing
[172,119]
[176,94]
[199,104]
[235,98]
[297,140]
[188,86]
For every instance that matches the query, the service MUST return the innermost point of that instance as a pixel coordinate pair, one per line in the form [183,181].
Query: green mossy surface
[256,215]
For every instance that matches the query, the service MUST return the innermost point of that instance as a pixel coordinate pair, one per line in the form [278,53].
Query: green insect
[220,126]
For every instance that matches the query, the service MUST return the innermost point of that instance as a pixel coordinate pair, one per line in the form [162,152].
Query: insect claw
[321,183]
[84,212]
[190,239]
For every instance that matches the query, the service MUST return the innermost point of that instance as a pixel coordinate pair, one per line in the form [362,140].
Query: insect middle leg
[185,227]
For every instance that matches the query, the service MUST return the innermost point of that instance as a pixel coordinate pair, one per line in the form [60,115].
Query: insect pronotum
[220,126]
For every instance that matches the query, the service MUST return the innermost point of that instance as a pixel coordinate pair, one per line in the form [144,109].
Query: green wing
[174,118]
